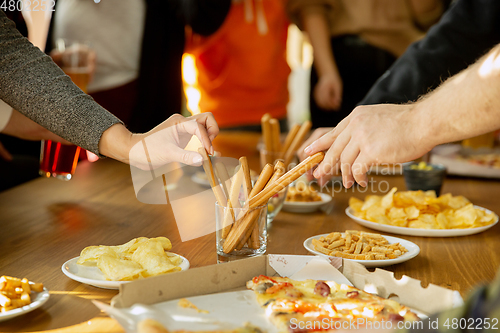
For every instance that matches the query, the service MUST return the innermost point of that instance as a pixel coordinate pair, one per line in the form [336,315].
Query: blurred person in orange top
[242,68]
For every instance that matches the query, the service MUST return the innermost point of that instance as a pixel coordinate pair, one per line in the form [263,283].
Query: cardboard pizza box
[222,288]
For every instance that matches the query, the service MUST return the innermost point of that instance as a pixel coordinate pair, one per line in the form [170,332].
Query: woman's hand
[163,144]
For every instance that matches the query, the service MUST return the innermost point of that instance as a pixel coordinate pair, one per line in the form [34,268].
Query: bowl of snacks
[303,198]
[425,177]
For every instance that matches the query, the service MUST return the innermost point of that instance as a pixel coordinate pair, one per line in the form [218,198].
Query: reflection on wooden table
[46,222]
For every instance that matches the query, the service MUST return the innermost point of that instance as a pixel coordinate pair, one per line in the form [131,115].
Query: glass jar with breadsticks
[240,229]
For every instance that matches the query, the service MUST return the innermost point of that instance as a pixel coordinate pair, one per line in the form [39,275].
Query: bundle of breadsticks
[271,137]
[242,230]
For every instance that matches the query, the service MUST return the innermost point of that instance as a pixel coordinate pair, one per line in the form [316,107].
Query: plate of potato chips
[369,249]
[421,213]
[20,296]
[109,266]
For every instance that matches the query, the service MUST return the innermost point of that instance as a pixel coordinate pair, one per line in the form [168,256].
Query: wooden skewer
[297,141]
[275,135]
[236,234]
[289,138]
[209,171]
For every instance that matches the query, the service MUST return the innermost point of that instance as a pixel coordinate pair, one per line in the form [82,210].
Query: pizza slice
[313,305]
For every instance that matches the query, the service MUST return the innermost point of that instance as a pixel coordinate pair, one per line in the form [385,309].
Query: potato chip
[370,201]
[355,204]
[419,209]
[139,257]
[90,254]
[115,269]
[151,255]
[388,199]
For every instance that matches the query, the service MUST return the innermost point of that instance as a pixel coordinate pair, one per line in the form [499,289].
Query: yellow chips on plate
[141,257]
[419,209]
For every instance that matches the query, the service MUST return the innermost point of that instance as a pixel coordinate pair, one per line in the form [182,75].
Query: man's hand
[328,91]
[369,135]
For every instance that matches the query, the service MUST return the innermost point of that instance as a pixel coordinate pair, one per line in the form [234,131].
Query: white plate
[413,251]
[420,232]
[93,276]
[306,207]
[38,299]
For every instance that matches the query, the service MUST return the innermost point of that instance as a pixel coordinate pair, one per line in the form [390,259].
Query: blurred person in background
[33,84]
[354,43]
[139,47]
[242,68]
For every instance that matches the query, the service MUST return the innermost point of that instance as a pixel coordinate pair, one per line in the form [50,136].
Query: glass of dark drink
[75,59]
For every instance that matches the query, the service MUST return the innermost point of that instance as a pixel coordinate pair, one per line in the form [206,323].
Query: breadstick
[262,181]
[297,141]
[233,202]
[209,171]
[247,183]
[238,232]
[225,180]
[286,180]
[289,138]
[275,134]
[279,170]
[267,135]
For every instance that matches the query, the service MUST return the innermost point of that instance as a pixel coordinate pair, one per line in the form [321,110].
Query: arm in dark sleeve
[466,31]
[205,16]
[34,85]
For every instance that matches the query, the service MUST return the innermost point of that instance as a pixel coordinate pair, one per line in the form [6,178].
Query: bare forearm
[464,106]
[317,28]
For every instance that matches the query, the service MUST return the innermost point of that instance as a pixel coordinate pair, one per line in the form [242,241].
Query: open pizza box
[220,290]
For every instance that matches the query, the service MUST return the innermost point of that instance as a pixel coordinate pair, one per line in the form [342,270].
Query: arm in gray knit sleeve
[34,85]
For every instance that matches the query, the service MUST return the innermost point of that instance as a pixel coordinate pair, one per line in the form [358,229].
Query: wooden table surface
[45,222]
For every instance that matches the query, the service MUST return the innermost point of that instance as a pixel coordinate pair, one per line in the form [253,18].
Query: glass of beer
[75,59]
